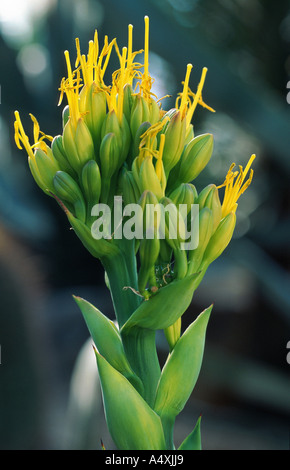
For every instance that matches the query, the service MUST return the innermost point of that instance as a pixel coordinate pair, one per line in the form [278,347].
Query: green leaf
[193,440]
[132,423]
[107,339]
[181,370]
[165,307]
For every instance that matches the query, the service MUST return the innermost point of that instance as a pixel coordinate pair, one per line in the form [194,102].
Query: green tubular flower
[206,224]
[60,155]
[195,157]
[129,188]
[46,166]
[185,194]
[100,248]
[94,108]
[174,131]
[139,114]
[78,144]
[91,184]
[209,197]
[119,128]
[66,188]
[132,423]
[219,240]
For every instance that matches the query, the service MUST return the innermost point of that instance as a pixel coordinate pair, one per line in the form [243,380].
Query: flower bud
[67,189]
[148,179]
[129,187]
[139,113]
[78,144]
[195,157]
[121,130]
[148,253]
[60,155]
[209,197]
[205,233]
[99,248]
[47,166]
[91,183]
[219,240]
[94,108]
[184,194]
[174,139]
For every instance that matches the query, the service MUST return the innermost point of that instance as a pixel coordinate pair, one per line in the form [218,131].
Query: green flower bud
[174,139]
[60,155]
[65,115]
[128,100]
[99,248]
[109,155]
[121,130]
[148,180]
[139,113]
[195,157]
[36,175]
[78,144]
[136,140]
[47,166]
[148,252]
[91,182]
[133,425]
[128,187]
[67,189]
[154,111]
[219,240]
[94,109]
[185,194]
[206,223]
[209,197]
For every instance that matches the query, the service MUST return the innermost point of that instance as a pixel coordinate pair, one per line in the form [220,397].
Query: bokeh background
[49,391]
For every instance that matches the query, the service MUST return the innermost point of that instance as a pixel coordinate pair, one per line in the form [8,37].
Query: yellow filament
[184,96]
[235,185]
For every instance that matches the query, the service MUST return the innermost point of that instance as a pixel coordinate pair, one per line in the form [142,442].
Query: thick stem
[121,272]
[168,428]
[139,344]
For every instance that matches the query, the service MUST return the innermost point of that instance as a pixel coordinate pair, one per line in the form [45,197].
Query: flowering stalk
[121,155]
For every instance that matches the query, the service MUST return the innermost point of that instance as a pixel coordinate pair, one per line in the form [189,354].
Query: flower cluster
[117,140]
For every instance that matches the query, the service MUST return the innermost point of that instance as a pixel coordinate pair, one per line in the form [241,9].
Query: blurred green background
[49,393]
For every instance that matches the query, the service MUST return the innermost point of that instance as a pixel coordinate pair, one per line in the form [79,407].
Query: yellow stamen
[21,137]
[146,48]
[235,185]
[184,96]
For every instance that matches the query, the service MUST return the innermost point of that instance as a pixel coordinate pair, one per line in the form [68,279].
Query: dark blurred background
[49,391]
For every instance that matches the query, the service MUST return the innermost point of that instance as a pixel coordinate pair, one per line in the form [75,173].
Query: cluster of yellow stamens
[235,185]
